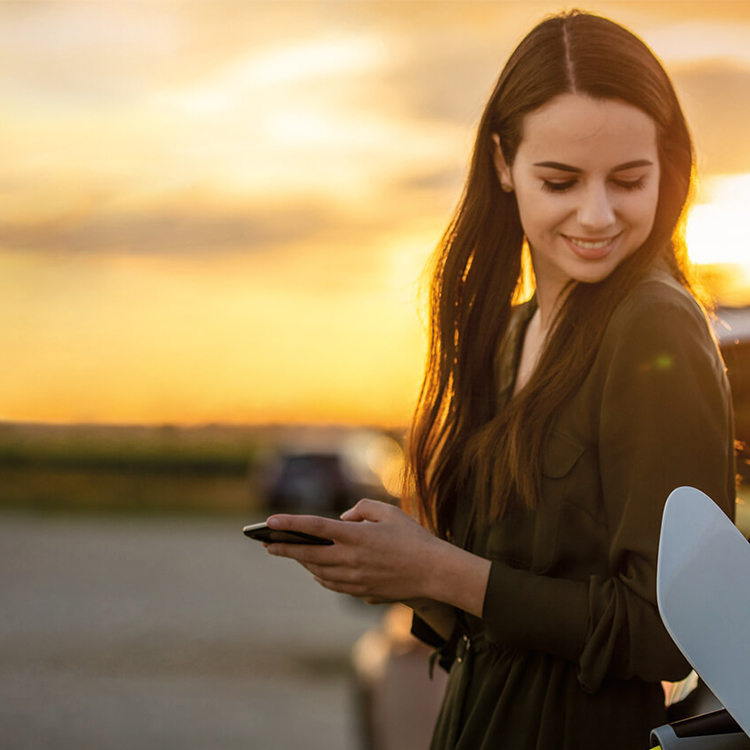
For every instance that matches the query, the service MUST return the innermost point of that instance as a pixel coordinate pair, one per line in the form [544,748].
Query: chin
[594,276]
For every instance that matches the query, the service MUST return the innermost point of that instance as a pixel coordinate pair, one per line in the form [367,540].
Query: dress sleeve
[665,421]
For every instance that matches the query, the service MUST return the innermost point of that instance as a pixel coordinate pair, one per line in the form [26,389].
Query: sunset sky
[216,211]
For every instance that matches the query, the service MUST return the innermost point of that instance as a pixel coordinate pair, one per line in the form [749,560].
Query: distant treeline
[167,449]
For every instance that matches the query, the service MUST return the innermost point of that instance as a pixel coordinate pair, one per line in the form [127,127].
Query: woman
[549,434]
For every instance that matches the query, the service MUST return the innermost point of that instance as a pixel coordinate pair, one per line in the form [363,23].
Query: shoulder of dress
[658,299]
[659,314]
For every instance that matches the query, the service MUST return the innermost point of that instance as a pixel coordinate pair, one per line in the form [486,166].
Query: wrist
[440,572]
[458,578]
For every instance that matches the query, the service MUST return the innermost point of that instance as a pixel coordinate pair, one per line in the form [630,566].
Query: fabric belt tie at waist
[460,646]
[472,642]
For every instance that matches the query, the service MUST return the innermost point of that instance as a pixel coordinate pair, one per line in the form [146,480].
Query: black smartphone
[262,533]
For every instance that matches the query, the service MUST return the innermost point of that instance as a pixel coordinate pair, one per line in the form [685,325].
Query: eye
[557,187]
[630,184]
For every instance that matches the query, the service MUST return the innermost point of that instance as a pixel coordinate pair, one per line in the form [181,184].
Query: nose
[596,211]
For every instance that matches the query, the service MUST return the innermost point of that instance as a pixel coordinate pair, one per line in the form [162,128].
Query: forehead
[588,133]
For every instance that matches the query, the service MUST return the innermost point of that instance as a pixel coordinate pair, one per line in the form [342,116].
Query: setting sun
[718,230]
[718,237]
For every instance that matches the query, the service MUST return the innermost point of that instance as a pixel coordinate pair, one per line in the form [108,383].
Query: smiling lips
[591,249]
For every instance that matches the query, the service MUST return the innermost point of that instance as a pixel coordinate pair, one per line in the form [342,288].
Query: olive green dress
[570,650]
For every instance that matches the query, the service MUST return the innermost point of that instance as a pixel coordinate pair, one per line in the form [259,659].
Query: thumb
[364,510]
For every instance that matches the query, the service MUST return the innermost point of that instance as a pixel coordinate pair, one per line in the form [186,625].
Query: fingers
[340,588]
[367,510]
[307,554]
[327,528]
[336,574]
[355,590]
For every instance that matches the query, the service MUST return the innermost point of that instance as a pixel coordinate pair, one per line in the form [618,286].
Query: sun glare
[718,230]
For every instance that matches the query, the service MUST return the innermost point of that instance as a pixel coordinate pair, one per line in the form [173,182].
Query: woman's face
[586,177]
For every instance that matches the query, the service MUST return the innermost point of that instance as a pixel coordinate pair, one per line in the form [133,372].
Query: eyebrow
[577,170]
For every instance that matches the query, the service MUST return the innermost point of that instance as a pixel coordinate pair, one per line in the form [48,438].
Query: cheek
[540,213]
[643,214]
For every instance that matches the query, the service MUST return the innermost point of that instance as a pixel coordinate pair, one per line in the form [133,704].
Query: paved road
[157,633]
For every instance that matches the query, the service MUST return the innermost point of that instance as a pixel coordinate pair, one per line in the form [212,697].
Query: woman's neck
[549,297]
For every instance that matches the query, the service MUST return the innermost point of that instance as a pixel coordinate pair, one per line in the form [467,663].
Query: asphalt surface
[168,633]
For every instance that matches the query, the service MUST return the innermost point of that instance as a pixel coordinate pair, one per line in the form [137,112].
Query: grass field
[128,469]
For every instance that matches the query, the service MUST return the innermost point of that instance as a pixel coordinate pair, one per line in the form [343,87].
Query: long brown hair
[477,268]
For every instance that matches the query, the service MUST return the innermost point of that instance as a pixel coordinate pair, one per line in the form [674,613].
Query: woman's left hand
[379,554]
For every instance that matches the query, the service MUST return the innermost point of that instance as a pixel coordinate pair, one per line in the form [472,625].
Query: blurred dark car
[321,483]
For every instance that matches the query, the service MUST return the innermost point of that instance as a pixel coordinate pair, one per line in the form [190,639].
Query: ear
[501,167]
